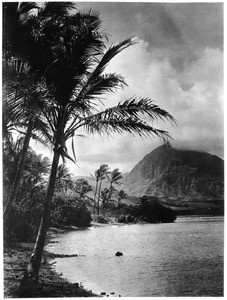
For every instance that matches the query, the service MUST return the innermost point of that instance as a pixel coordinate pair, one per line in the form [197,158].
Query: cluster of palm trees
[54,83]
[113,178]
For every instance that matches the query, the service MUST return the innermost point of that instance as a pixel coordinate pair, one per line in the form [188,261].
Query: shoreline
[15,259]
[51,284]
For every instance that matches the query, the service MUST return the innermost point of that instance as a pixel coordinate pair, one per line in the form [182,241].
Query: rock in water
[119,254]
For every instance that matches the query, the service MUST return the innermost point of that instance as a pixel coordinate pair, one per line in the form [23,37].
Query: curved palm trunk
[30,280]
[8,207]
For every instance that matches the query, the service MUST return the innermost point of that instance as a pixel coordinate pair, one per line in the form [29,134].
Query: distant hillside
[180,178]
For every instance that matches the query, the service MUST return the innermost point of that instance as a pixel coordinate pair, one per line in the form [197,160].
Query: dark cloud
[196,23]
[168,26]
[179,31]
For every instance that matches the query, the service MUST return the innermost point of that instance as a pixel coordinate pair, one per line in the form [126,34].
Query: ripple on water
[178,259]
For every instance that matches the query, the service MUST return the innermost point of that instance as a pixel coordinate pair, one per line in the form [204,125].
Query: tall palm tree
[99,176]
[96,178]
[21,112]
[102,171]
[24,26]
[11,156]
[76,83]
[104,197]
[114,178]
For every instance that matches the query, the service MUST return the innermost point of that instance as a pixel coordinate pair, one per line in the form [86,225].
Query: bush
[126,219]
[69,211]
[66,211]
[26,217]
[100,219]
[121,210]
[153,211]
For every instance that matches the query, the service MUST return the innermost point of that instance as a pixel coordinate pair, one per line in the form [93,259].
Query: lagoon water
[184,258]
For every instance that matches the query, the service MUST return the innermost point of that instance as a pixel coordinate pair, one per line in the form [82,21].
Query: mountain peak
[167,172]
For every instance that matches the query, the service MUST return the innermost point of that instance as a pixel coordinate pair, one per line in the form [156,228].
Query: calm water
[184,258]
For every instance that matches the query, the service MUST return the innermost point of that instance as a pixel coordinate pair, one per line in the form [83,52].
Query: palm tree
[82,187]
[35,169]
[11,156]
[102,171]
[121,195]
[96,178]
[20,113]
[76,82]
[104,197]
[25,60]
[114,178]
[63,179]
[30,29]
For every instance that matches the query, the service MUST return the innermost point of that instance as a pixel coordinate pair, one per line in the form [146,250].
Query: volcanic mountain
[180,178]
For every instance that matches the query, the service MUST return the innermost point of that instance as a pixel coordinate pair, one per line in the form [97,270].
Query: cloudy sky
[177,62]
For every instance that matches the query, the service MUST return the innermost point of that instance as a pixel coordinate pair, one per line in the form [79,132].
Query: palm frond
[26,11]
[88,96]
[128,116]
[57,8]
[120,126]
[73,150]
[76,51]
[42,132]
[137,107]
[108,56]
[14,67]
[87,19]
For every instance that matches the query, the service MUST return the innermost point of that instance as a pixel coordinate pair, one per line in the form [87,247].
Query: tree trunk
[96,187]
[110,193]
[16,184]
[30,280]
[103,207]
[99,193]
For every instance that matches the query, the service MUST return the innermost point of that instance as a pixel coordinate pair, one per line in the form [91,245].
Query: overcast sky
[177,62]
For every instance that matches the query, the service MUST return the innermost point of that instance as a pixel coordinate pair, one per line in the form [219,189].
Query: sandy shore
[50,283]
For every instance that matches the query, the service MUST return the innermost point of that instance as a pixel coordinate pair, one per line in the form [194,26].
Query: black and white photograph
[112,149]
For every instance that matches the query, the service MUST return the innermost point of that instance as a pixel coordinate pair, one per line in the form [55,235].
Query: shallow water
[184,258]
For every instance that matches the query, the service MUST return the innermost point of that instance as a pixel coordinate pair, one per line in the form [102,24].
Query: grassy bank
[16,257]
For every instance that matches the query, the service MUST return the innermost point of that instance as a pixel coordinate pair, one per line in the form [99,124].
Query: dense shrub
[150,210]
[66,211]
[69,211]
[153,211]
[26,218]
